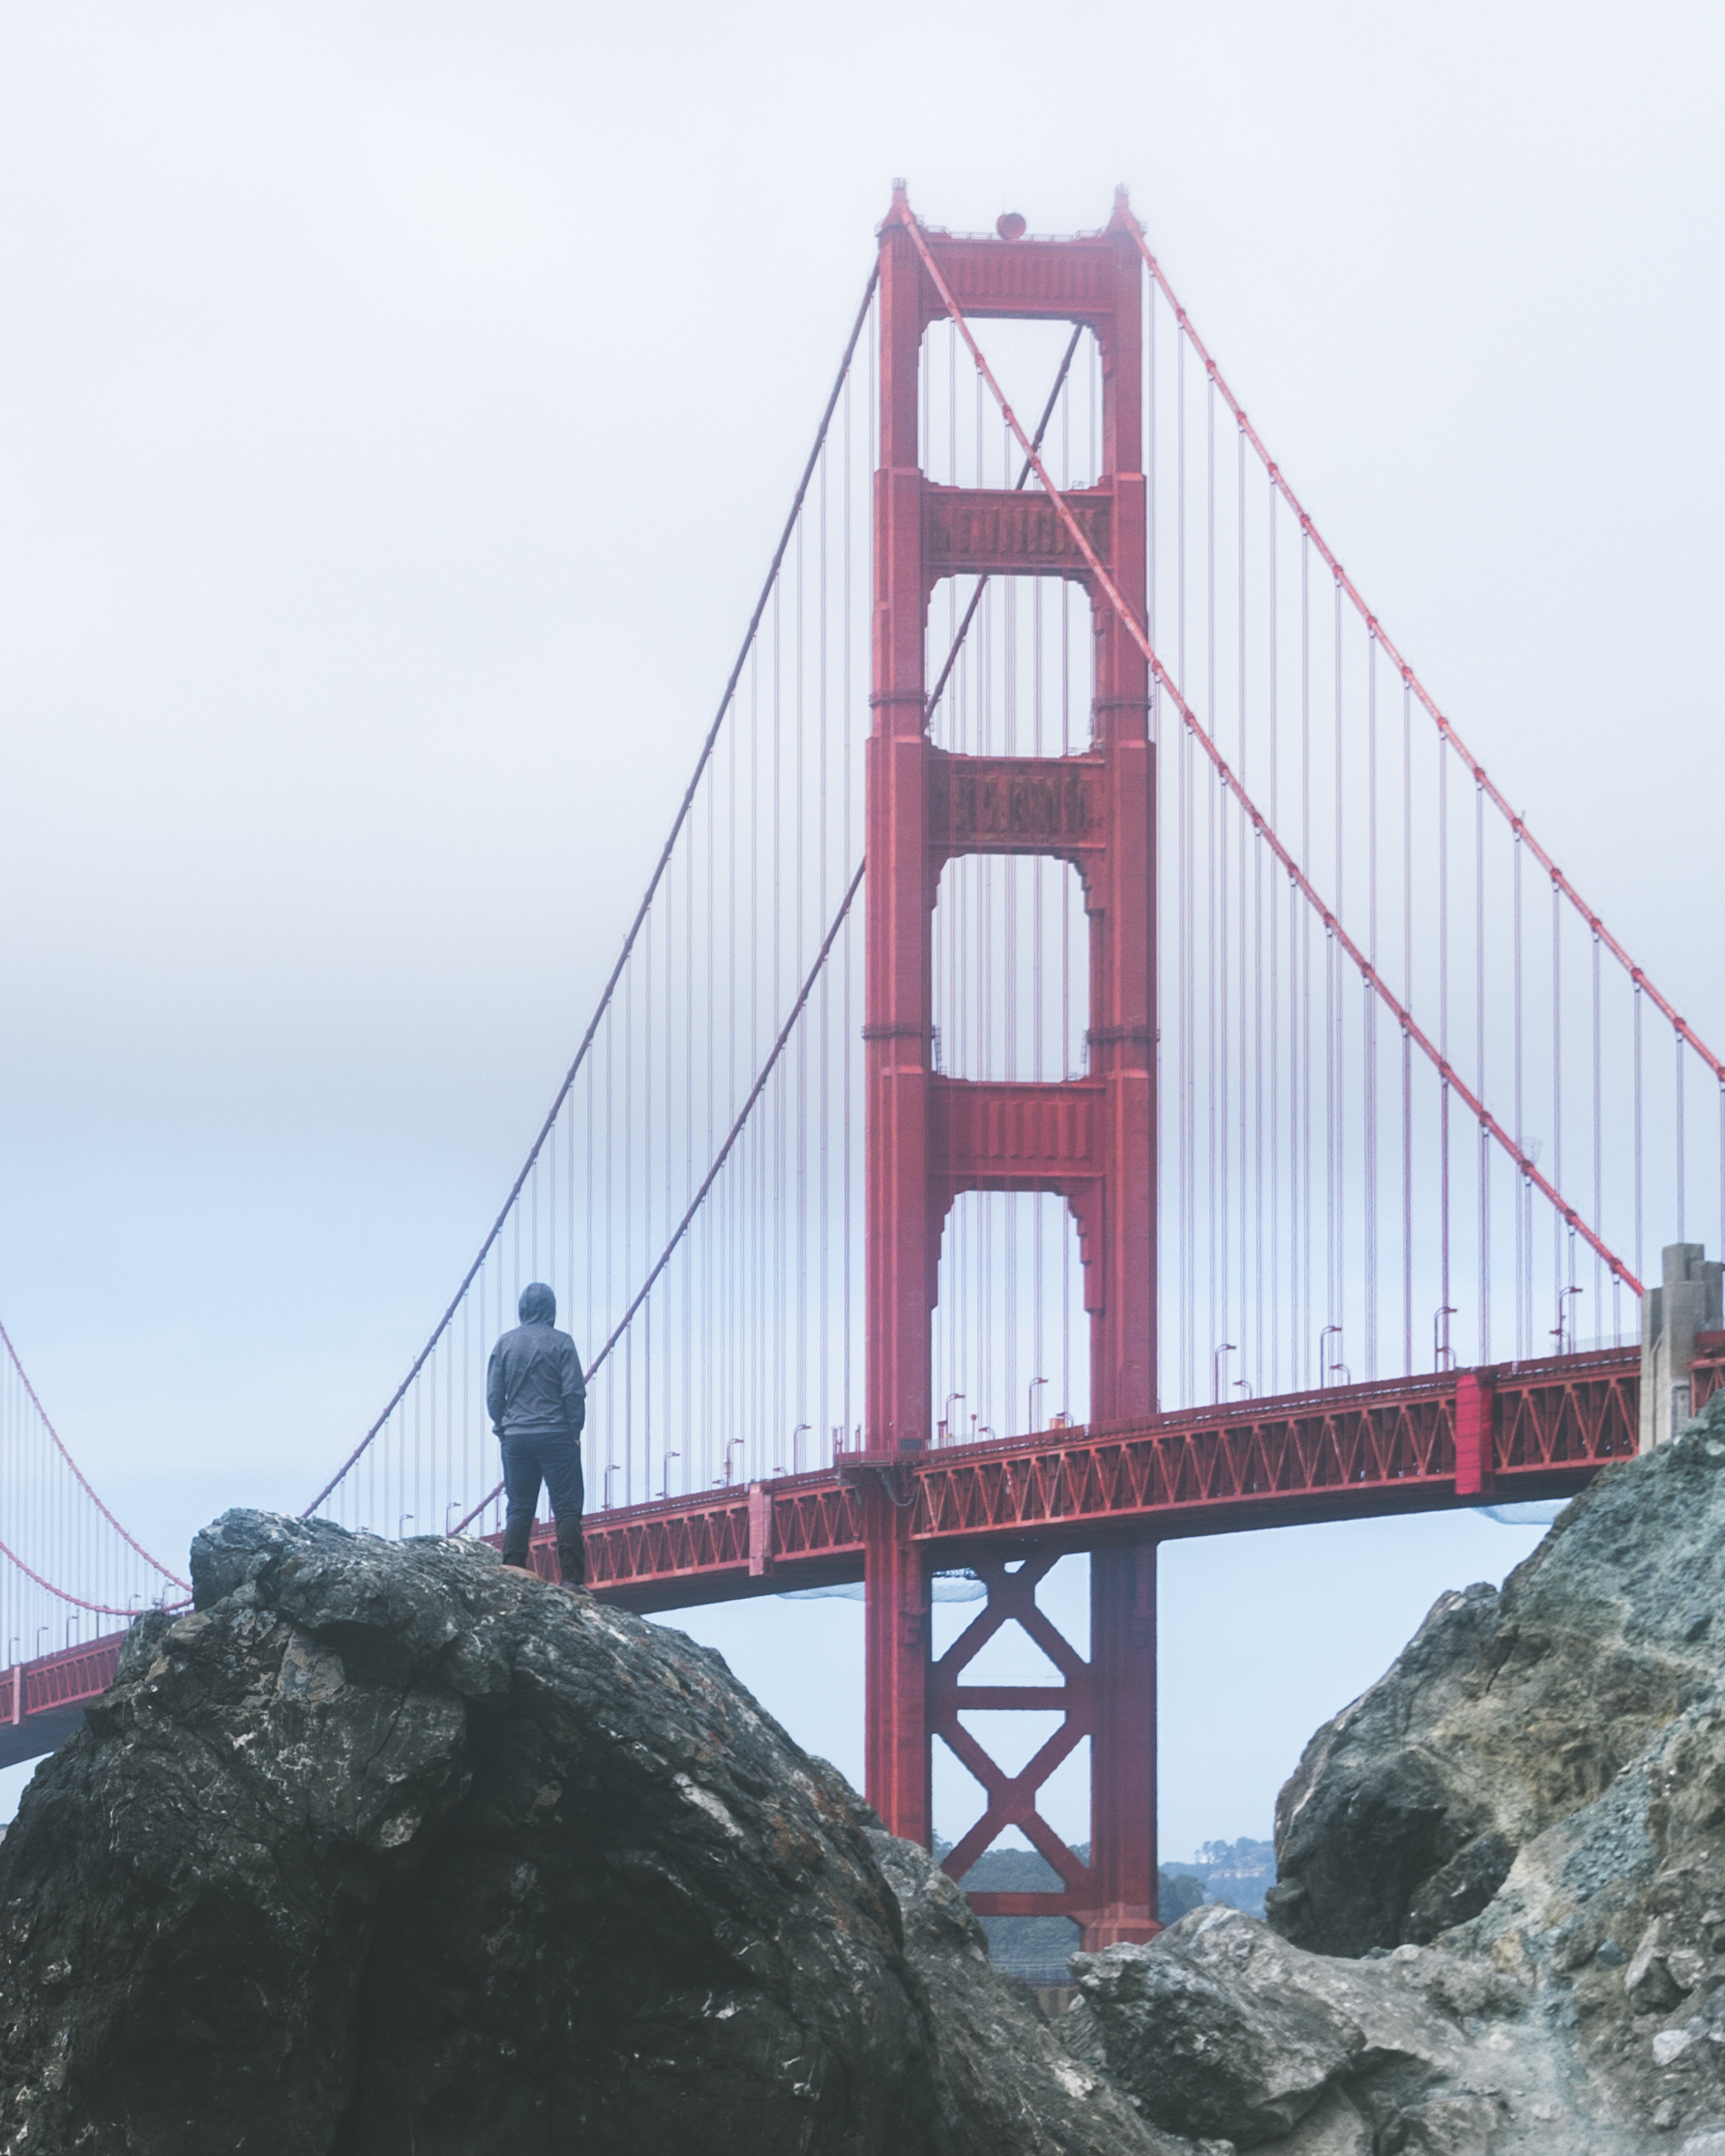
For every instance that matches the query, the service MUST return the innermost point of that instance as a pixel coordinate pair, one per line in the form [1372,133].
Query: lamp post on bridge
[1566,1318]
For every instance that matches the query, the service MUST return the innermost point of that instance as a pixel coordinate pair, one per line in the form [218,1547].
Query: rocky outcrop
[384,1850]
[1503,1877]
[998,2052]
[1509,1711]
[1223,2031]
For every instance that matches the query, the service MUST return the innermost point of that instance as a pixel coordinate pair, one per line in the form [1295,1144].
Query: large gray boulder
[1221,2030]
[1509,1711]
[1503,1877]
[384,1850]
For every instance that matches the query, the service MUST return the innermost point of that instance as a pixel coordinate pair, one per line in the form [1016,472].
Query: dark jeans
[552,1457]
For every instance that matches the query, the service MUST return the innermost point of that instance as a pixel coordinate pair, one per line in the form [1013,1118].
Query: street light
[736,1444]
[665,1480]
[1324,1367]
[615,1469]
[794,1454]
[400,1523]
[1564,1295]
[946,1412]
[1443,1354]
[1031,1404]
[1227,1348]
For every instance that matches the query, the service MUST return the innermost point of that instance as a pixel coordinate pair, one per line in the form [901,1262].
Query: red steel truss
[41,1702]
[928,1138]
[1349,1452]
[1007,1511]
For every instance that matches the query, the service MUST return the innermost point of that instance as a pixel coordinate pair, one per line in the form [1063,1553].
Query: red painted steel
[1011,1798]
[41,1702]
[1534,1430]
[1472,1432]
[1127,620]
[1348,1452]
[1122,1900]
[928,1139]
[73,1675]
[1707,1372]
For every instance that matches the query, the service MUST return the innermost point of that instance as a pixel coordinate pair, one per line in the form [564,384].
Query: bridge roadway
[1436,1443]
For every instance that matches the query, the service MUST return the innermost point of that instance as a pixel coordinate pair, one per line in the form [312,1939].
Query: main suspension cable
[1444,726]
[660,867]
[724,1154]
[1228,779]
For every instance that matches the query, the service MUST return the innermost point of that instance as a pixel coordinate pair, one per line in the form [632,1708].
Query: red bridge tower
[1090,1139]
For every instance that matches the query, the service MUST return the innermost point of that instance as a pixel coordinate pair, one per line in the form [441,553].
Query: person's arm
[494,1389]
[575,1390]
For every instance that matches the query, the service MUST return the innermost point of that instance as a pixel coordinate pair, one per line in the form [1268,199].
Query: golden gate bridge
[1097,1060]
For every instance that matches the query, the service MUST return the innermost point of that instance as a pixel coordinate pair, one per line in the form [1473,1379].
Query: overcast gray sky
[396,407]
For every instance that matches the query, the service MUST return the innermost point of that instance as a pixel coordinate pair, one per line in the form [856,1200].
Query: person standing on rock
[537,1399]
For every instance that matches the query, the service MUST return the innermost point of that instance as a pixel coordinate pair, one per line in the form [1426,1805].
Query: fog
[398,406]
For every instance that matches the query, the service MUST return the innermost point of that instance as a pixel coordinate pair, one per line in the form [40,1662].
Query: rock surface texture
[384,1850]
[1501,1892]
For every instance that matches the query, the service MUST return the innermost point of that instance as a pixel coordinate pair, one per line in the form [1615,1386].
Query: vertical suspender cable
[1598,1161]
[1215,921]
[1338,1062]
[1369,1006]
[1678,1128]
[1484,1284]
[1523,1327]
[1407,1043]
[1444,1303]
[1559,1272]
[1304,1347]
[1275,955]
[1640,1272]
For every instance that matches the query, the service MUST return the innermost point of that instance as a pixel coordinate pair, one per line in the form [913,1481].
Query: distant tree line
[1237,1873]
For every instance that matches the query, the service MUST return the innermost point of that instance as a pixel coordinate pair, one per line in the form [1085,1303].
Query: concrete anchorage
[1674,1315]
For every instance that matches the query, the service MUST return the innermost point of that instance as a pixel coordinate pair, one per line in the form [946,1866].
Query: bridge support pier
[1110,1700]
[896,1661]
[1122,1748]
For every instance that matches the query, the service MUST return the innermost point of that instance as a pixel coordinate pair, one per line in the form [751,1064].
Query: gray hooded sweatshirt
[534,1386]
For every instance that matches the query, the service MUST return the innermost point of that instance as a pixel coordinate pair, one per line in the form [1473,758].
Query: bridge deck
[1350,1452]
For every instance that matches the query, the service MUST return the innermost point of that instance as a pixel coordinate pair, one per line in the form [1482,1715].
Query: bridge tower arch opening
[1089,1138]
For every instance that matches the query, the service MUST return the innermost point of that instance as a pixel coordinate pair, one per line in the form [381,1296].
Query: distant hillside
[1239,1873]
[1037,1946]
